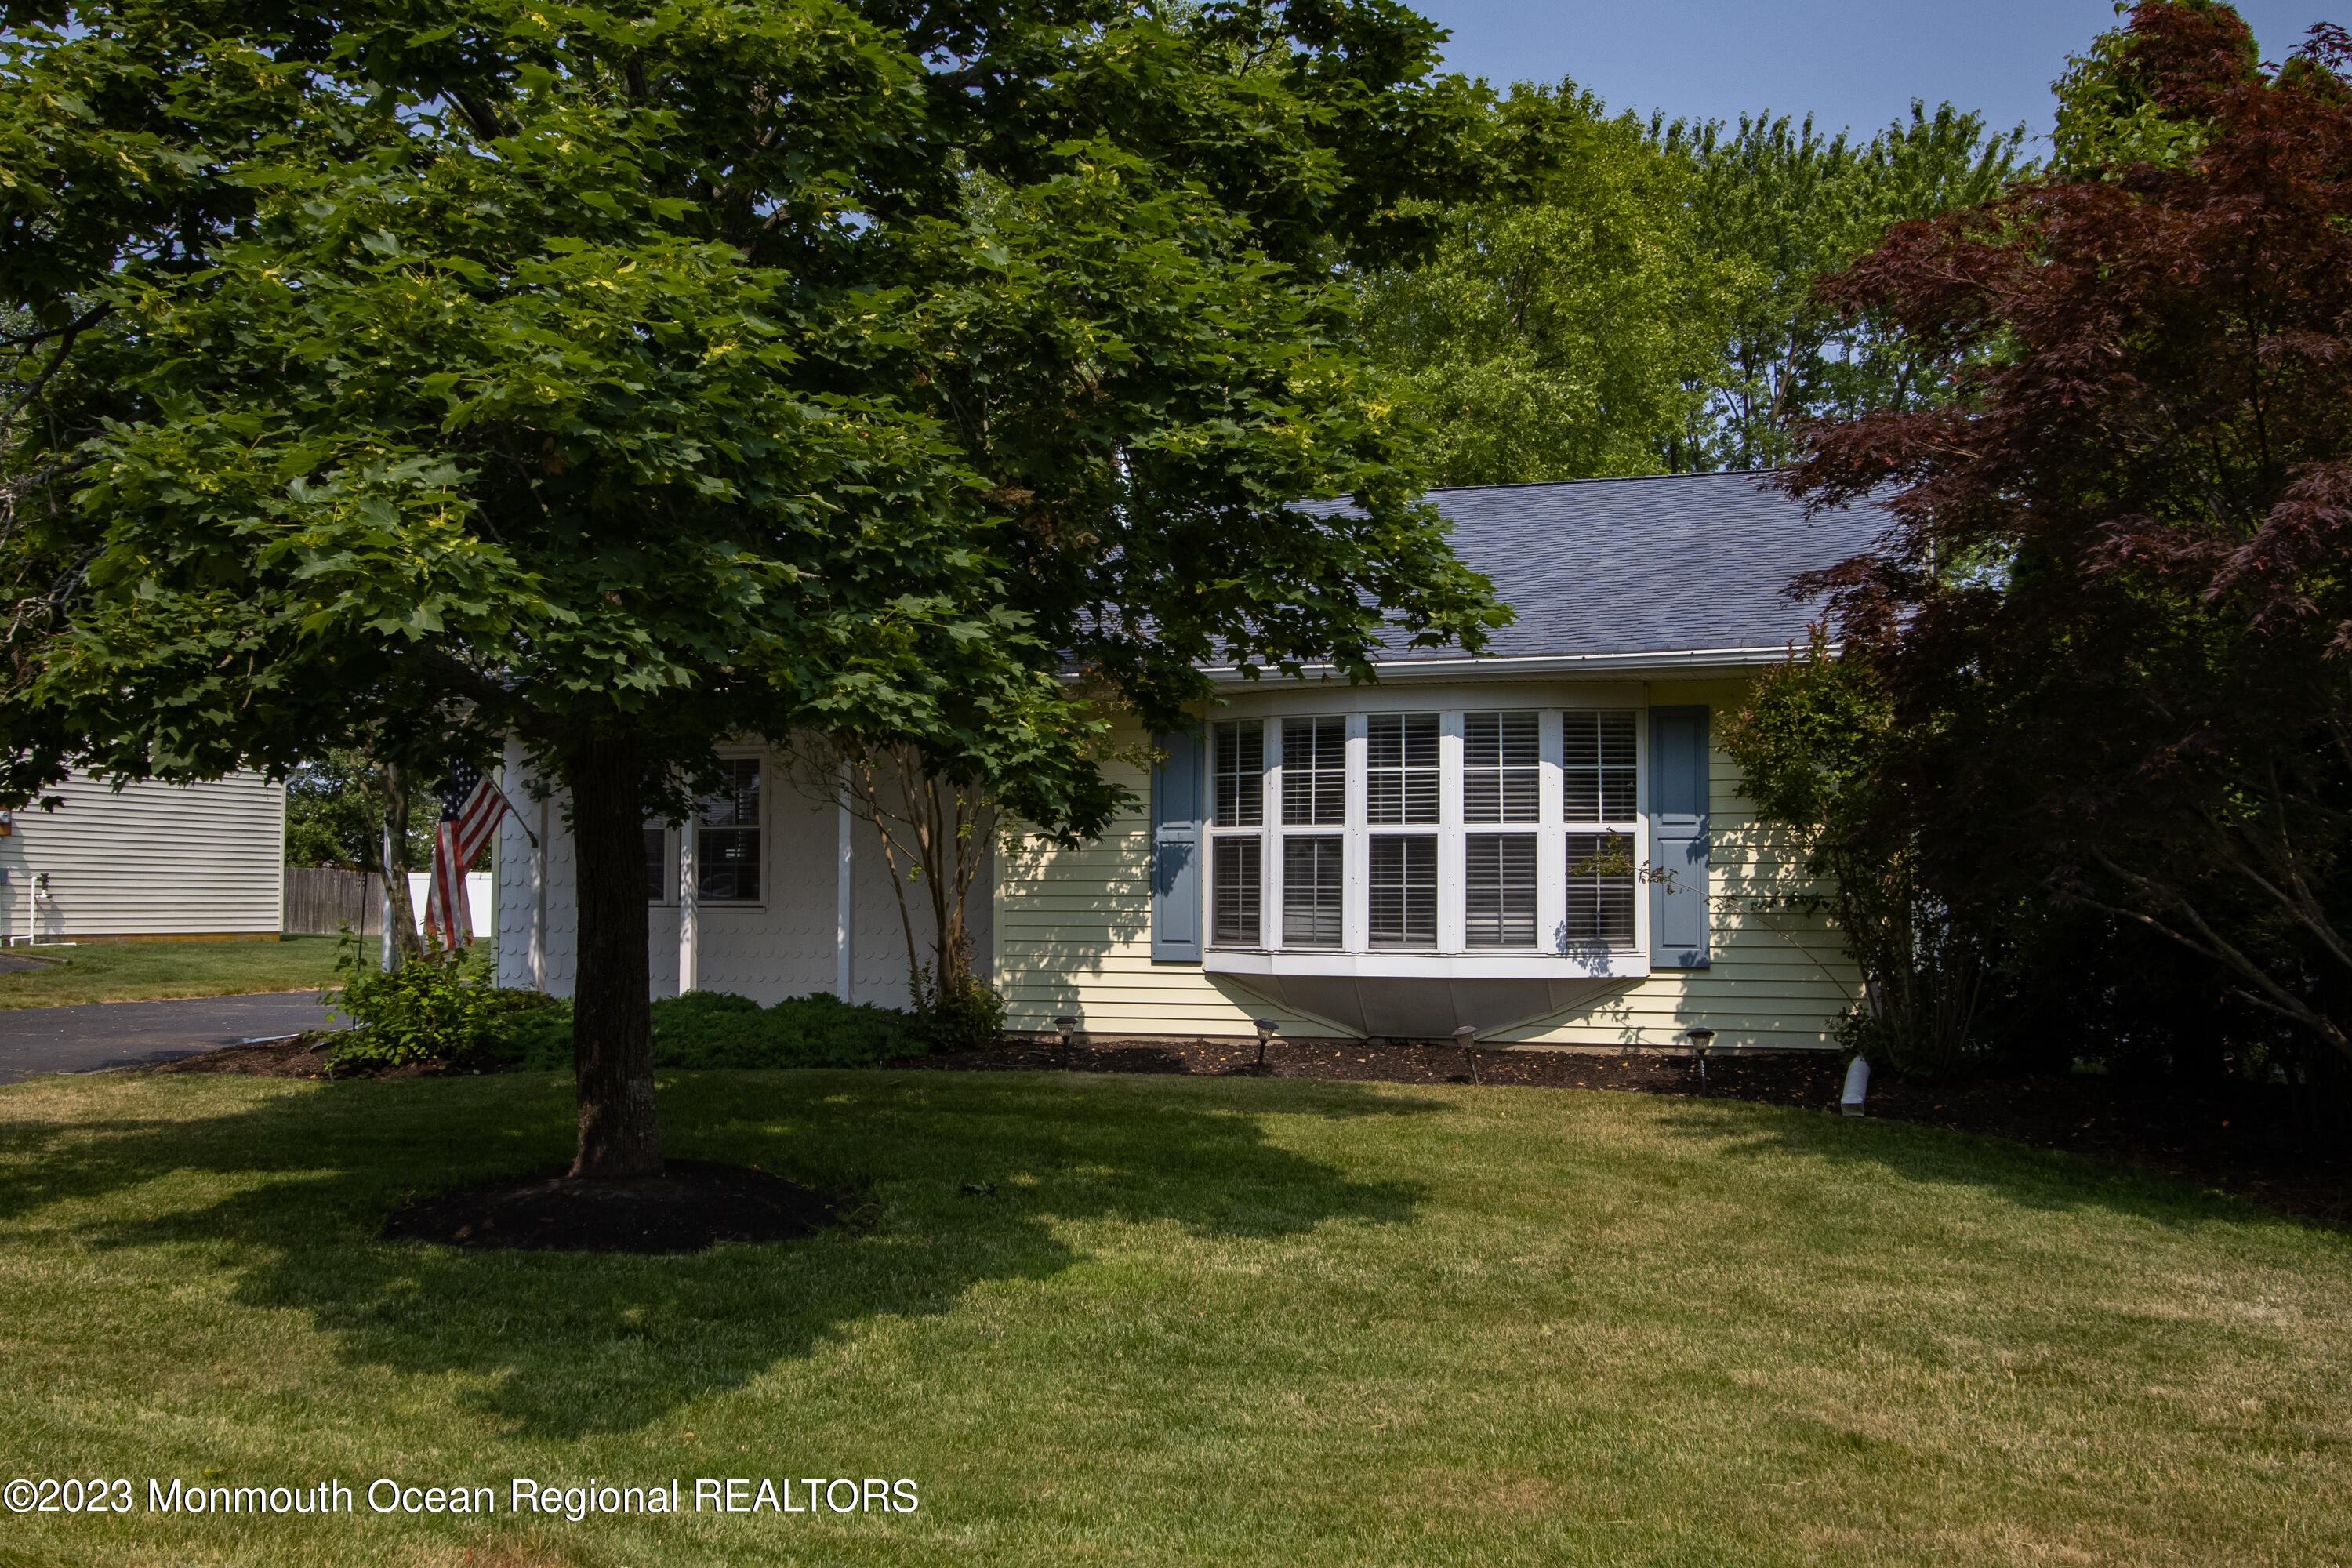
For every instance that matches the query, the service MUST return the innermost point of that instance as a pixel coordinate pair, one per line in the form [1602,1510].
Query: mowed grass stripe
[1143,1321]
[161,971]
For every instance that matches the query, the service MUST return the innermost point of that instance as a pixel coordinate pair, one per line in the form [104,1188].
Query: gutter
[1533,664]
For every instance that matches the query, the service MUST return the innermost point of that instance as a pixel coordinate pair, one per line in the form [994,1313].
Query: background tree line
[1634,298]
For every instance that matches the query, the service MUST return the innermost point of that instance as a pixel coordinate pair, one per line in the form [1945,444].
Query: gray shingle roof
[1646,565]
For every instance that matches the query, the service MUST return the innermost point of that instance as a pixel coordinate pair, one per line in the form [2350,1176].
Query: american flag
[471,805]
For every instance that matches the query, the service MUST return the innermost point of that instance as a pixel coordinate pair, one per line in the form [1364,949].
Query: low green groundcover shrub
[449,1008]
[441,1009]
[718,1029]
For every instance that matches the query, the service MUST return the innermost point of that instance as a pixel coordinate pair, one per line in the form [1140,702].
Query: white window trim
[1452,957]
[766,841]
[668,879]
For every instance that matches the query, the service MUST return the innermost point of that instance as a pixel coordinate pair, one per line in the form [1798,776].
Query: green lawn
[1111,1320]
[146,971]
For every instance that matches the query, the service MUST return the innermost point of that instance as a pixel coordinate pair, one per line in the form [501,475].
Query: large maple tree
[627,376]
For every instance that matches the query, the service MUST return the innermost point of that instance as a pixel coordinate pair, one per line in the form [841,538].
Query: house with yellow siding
[1544,843]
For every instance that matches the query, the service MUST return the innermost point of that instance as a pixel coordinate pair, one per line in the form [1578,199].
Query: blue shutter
[1177,796]
[1678,766]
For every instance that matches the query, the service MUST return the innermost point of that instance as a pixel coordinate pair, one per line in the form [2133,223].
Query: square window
[1401,771]
[1233,907]
[727,836]
[1312,875]
[1498,890]
[1600,889]
[1403,891]
[1240,773]
[1597,766]
[1499,767]
[1315,771]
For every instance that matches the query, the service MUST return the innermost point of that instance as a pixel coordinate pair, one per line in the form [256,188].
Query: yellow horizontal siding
[1073,937]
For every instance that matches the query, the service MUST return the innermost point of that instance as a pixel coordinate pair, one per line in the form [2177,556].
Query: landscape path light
[1267,1030]
[1066,1029]
[1700,1039]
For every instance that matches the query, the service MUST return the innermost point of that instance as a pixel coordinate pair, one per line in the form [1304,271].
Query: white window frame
[668,879]
[1550,832]
[763,825]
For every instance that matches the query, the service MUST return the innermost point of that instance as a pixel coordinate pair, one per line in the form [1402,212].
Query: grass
[1129,1320]
[150,971]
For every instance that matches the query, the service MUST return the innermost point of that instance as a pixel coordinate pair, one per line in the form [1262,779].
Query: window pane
[1498,890]
[1499,756]
[727,865]
[657,865]
[1403,891]
[1600,889]
[1401,779]
[1234,905]
[1310,891]
[727,839]
[736,802]
[1315,771]
[1240,770]
[1597,757]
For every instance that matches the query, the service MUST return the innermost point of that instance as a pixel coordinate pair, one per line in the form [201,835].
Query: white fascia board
[1393,965]
[1735,659]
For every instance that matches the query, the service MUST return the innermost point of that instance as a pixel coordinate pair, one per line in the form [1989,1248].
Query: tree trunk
[402,944]
[612,1026]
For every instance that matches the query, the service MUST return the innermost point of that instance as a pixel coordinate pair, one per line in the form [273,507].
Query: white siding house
[1545,844]
[152,862]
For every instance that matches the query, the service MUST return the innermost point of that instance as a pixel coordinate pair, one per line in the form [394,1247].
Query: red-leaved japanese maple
[2115,608]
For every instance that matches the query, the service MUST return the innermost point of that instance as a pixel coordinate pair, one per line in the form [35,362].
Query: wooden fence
[320,902]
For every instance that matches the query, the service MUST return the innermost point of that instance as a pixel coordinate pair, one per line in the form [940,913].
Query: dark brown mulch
[690,1206]
[2237,1137]
[299,1057]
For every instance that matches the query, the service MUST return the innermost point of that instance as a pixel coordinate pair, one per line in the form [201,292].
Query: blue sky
[1855,63]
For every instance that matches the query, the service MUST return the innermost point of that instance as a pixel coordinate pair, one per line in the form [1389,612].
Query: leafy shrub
[718,1029]
[446,1007]
[961,1017]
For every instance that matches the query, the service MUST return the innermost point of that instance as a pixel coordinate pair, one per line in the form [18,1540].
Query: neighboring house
[152,862]
[1544,843]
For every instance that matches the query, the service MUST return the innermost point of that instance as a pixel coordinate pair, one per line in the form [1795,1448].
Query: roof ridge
[1602,480]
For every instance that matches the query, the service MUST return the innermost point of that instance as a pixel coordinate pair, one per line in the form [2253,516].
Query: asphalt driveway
[134,1033]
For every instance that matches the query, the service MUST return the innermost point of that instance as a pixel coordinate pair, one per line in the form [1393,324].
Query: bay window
[1496,832]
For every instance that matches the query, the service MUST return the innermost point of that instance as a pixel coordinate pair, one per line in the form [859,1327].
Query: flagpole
[520,821]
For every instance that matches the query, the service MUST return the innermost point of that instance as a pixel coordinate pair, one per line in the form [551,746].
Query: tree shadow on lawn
[952,1181]
[2050,1180]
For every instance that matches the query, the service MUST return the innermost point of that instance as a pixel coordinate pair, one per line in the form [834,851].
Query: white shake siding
[154,860]
[786,944]
[1073,939]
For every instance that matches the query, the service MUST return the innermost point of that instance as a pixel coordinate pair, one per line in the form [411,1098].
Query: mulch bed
[690,1206]
[299,1056]
[2238,1138]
